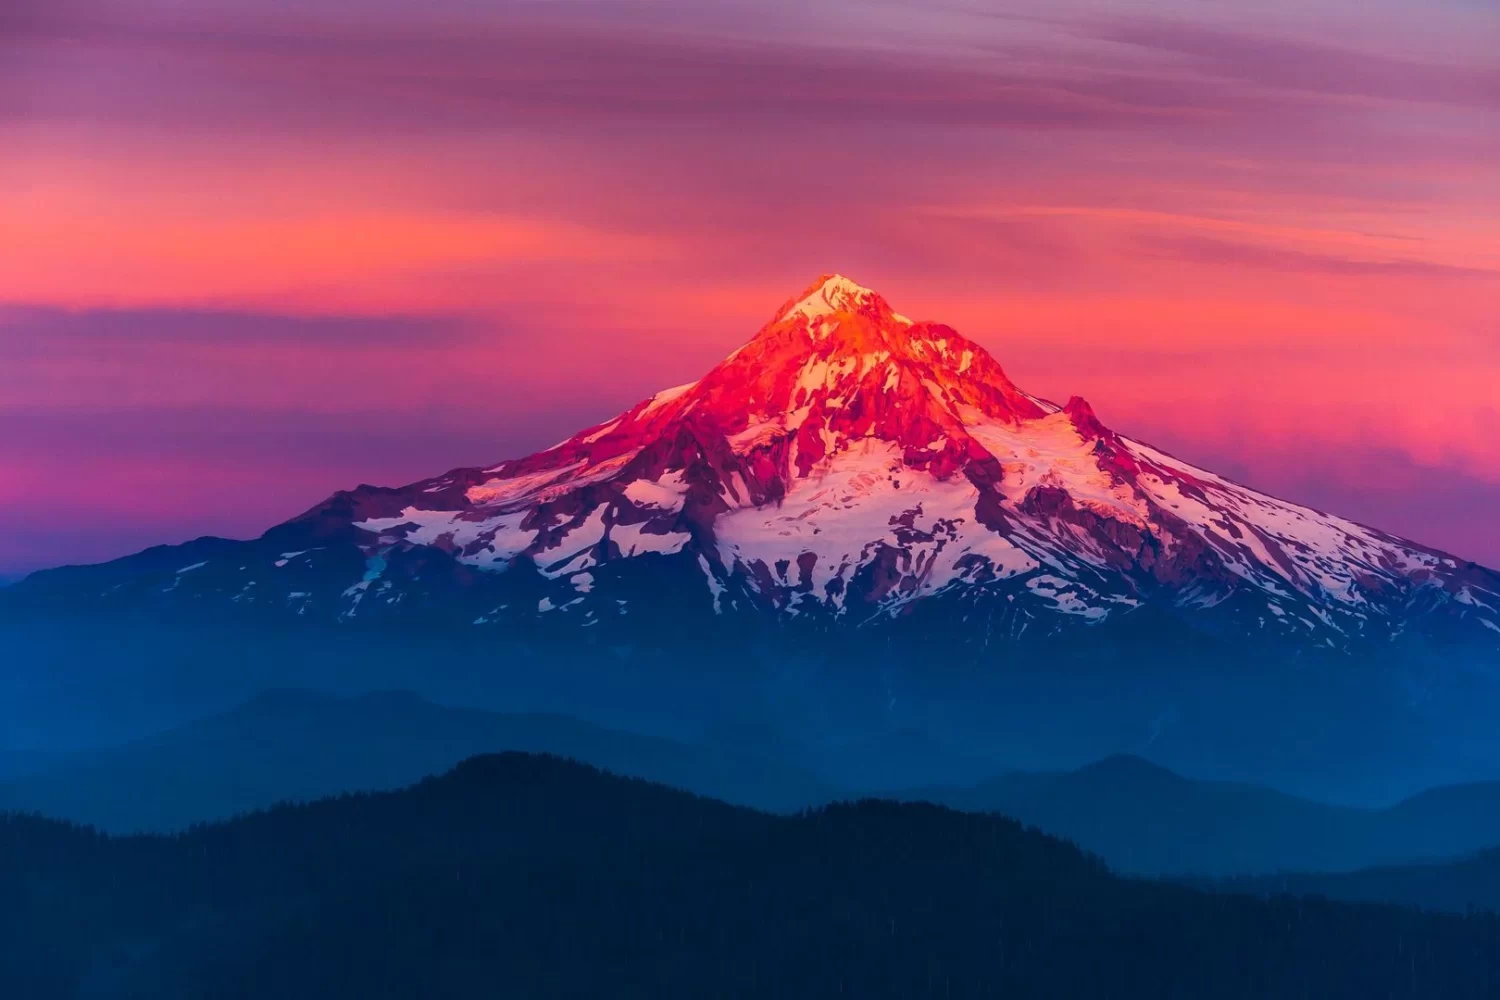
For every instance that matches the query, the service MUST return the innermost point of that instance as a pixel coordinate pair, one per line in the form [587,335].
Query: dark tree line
[528,876]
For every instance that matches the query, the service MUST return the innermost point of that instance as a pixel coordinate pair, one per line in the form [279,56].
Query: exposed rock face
[844,466]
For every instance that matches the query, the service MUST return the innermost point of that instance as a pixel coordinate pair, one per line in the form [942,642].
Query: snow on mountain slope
[843,465]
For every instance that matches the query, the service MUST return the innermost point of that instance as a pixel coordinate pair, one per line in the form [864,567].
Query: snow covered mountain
[848,467]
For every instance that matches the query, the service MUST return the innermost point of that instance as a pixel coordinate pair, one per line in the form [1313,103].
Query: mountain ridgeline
[293,745]
[1139,818]
[535,877]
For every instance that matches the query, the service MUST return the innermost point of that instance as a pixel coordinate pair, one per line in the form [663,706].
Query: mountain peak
[835,294]
[838,366]
[837,319]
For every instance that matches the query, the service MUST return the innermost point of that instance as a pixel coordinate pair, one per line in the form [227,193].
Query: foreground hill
[531,877]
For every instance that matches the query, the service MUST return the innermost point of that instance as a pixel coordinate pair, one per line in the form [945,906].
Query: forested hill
[529,876]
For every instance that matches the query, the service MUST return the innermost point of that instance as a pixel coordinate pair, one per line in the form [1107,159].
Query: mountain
[846,467]
[18,763]
[1145,819]
[1454,886]
[300,745]
[533,877]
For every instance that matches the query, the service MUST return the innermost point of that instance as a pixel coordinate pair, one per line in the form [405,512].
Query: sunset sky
[252,252]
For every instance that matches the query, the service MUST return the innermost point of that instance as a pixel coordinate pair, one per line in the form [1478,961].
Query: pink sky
[247,259]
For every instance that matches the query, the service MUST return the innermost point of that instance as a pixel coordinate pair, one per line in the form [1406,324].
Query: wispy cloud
[1207,250]
[30,330]
[1309,66]
[530,70]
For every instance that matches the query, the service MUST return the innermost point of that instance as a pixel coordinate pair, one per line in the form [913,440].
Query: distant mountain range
[529,876]
[1454,886]
[291,745]
[1138,817]
[847,467]
[1144,819]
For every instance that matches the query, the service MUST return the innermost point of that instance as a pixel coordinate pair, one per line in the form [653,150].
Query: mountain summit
[847,466]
